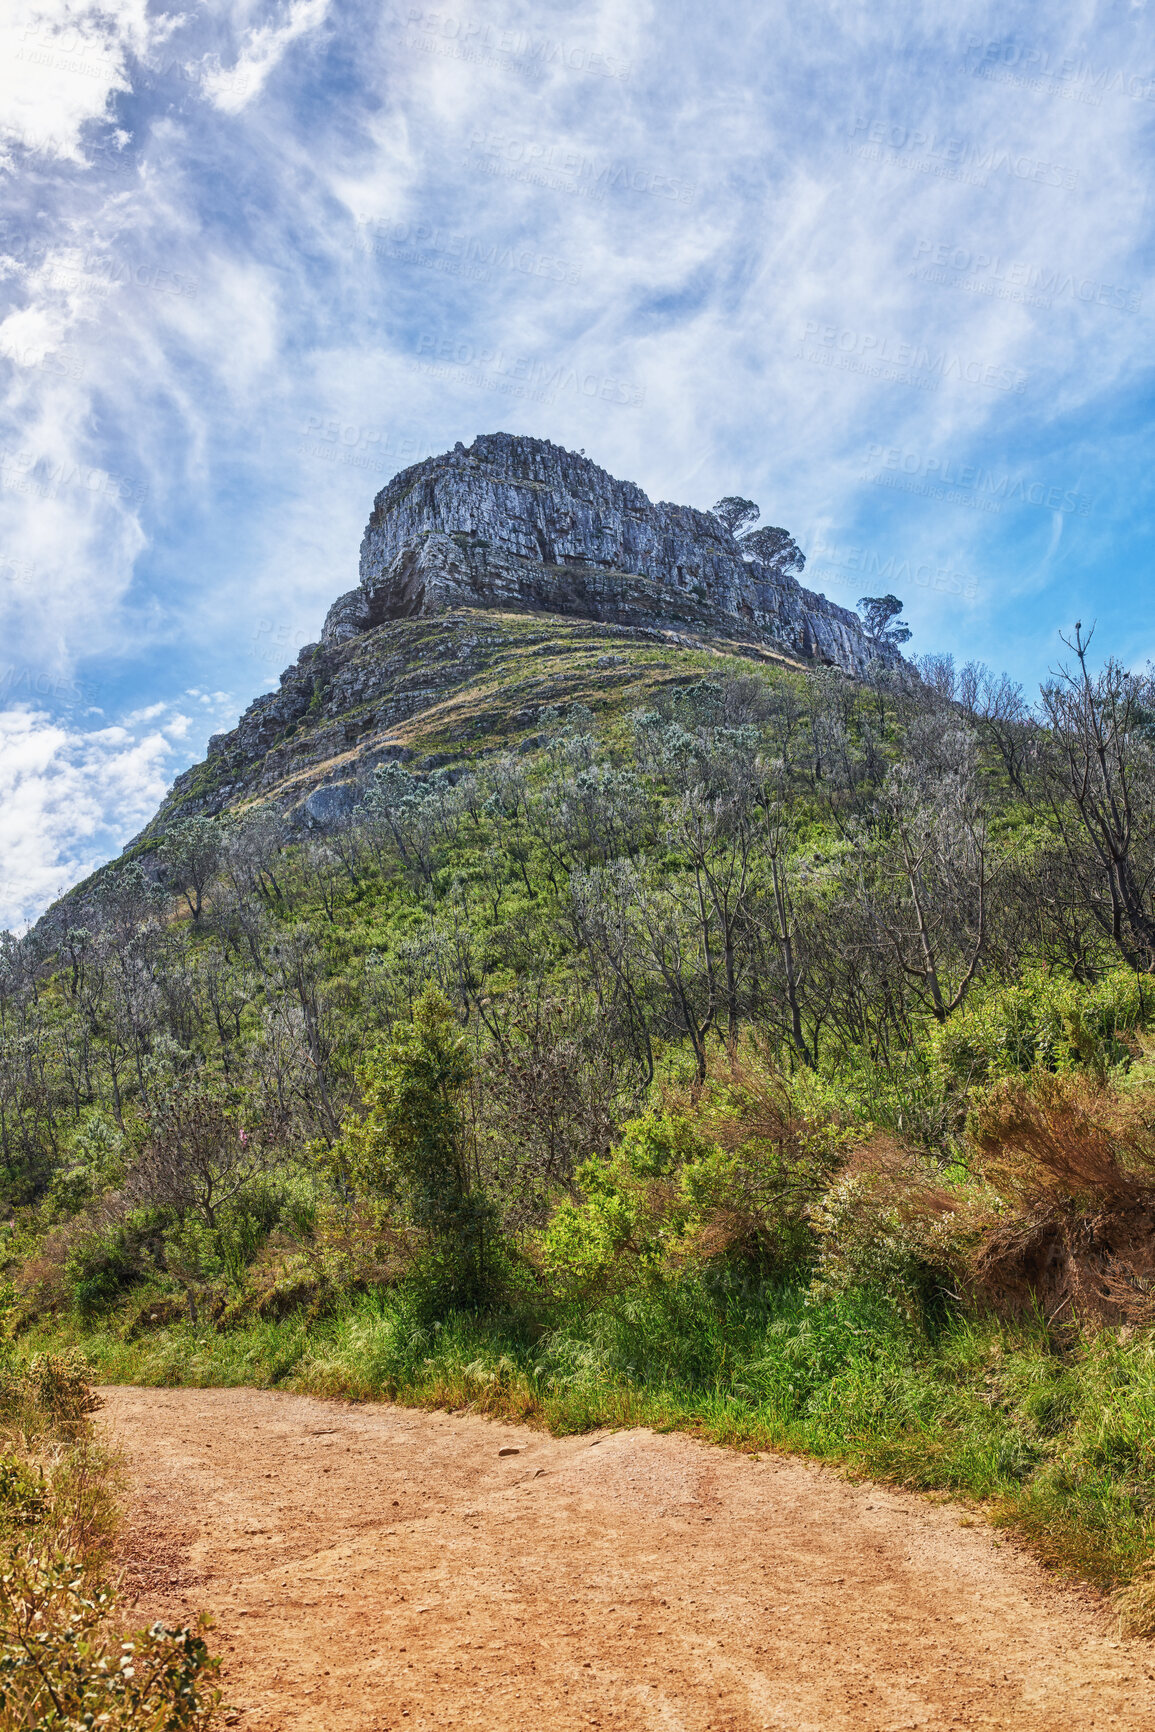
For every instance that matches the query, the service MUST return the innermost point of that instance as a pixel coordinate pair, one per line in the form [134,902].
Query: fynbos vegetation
[772,1058]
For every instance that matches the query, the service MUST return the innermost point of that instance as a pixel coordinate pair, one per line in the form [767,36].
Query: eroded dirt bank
[379,1567]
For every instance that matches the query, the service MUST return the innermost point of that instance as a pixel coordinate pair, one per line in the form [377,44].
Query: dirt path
[378,1567]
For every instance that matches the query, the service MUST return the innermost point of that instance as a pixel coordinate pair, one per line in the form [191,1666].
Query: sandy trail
[373,1567]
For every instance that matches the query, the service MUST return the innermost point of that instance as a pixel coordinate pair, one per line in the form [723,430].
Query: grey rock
[522,523]
[329,804]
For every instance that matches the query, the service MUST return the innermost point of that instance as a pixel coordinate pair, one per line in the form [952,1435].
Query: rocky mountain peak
[513,522]
[499,580]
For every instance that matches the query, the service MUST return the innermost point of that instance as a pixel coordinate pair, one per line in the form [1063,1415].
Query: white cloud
[262,48]
[58,69]
[70,798]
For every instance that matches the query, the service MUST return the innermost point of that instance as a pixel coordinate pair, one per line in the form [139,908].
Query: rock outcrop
[496,581]
[521,523]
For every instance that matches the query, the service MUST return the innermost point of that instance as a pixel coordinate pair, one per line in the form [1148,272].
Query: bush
[726,1180]
[60,1668]
[889,1224]
[1076,1162]
[101,1266]
[1041,1021]
[59,1385]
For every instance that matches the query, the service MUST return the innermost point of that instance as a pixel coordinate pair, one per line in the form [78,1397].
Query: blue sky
[888,275]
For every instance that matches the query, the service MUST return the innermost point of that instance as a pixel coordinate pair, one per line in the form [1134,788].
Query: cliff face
[522,523]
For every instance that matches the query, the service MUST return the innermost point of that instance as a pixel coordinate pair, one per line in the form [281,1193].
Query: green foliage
[95,1163]
[726,1186]
[22,1489]
[60,1667]
[638,1207]
[740,980]
[910,1096]
[1042,1019]
[661,1143]
[188,855]
[102,1264]
[411,1148]
[245,1227]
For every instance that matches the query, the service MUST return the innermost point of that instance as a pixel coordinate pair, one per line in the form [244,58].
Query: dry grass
[58,1485]
[1076,1162]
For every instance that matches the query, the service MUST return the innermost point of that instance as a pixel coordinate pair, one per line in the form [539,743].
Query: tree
[251,851]
[199,1156]
[409,816]
[412,1147]
[714,828]
[1003,719]
[932,897]
[599,905]
[735,513]
[775,548]
[879,611]
[190,854]
[782,923]
[545,1097]
[1101,774]
[199,1159]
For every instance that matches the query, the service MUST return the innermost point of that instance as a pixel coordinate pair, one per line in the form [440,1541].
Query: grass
[1055,1437]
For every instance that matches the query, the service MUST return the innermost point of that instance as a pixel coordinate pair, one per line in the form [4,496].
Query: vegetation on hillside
[771,1059]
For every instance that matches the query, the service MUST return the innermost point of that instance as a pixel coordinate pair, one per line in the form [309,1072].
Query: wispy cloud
[261,49]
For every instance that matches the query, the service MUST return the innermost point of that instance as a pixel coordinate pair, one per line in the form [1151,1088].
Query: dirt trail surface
[373,1567]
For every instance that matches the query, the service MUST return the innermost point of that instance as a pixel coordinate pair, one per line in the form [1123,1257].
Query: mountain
[496,580]
[522,523]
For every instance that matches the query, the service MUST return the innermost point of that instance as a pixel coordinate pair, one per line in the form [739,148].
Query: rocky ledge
[521,523]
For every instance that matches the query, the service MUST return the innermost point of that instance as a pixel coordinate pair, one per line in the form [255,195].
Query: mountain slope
[438,690]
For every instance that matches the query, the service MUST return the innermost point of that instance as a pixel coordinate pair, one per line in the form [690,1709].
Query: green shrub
[412,1149]
[730,1186]
[61,1668]
[637,1206]
[96,1165]
[1043,1020]
[101,1266]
